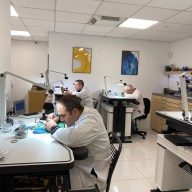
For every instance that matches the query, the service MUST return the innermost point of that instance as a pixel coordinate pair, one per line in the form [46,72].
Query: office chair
[115,153]
[95,103]
[147,104]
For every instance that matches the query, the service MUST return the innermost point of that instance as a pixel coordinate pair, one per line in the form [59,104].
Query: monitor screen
[19,107]
[57,88]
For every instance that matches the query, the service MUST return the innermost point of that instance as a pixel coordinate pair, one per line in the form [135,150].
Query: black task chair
[147,104]
[95,103]
[115,153]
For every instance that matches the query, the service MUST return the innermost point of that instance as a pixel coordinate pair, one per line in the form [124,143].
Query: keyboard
[31,113]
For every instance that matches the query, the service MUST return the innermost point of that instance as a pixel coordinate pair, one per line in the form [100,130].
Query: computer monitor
[57,89]
[19,107]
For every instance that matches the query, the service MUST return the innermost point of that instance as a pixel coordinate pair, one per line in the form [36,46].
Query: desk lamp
[47,83]
[117,82]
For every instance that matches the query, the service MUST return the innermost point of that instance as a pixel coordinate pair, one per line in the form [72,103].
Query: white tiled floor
[135,169]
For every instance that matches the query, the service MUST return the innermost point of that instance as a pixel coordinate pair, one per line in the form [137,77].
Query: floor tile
[146,167]
[151,181]
[139,185]
[126,170]
[140,153]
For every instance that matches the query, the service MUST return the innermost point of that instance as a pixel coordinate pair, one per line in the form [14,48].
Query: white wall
[181,56]
[106,60]
[28,60]
[5,45]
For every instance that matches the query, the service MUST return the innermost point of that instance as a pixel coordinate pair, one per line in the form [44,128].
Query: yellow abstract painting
[81,60]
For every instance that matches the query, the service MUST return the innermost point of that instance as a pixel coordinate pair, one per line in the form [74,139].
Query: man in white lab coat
[133,93]
[85,128]
[83,93]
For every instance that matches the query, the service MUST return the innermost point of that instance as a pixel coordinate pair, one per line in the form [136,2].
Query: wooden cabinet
[163,103]
[36,100]
[156,122]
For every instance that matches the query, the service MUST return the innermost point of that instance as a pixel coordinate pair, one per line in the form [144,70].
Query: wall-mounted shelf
[175,72]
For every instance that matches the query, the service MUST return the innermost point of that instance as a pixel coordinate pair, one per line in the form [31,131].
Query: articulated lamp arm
[3,102]
[24,79]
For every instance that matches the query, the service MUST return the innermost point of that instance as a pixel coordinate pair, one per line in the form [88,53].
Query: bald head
[129,89]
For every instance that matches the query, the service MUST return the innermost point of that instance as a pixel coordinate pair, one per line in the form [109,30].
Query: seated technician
[138,109]
[83,93]
[84,128]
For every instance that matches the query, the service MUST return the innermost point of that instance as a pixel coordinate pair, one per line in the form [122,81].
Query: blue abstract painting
[130,63]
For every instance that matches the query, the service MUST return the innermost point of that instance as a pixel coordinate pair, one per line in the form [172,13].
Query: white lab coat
[88,131]
[85,96]
[138,110]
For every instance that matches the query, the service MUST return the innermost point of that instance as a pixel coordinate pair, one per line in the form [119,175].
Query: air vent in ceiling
[108,18]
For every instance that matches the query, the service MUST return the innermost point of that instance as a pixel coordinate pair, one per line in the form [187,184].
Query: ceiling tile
[116,35]
[38,23]
[35,13]
[77,6]
[16,21]
[117,9]
[156,14]
[18,28]
[171,4]
[93,33]
[67,27]
[40,38]
[181,18]
[94,28]
[166,27]
[40,4]
[190,9]
[123,32]
[21,38]
[176,35]
[184,29]
[72,17]
[134,2]
[40,32]
[149,33]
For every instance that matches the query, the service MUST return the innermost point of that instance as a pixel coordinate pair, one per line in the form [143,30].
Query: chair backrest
[115,152]
[147,104]
[95,102]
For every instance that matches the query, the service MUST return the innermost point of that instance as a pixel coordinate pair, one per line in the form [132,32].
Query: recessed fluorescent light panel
[20,33]
[13,12]
[137,23]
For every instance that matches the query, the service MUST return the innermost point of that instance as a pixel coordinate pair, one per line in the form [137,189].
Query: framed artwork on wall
[130,63]
[82,58]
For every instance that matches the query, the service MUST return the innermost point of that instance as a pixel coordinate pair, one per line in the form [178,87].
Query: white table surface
[35,149]
[177,115]
[183,152]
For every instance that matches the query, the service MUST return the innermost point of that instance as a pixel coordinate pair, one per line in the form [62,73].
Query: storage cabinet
[36,100]
[163,103]
[156,121]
